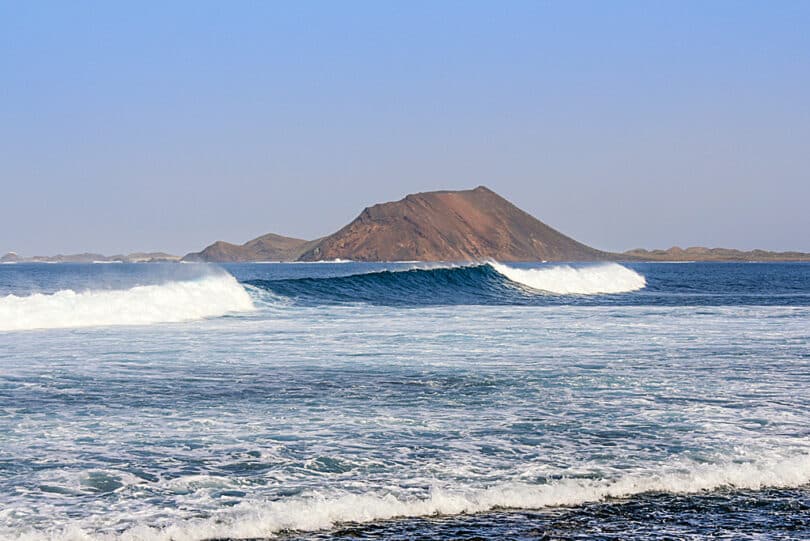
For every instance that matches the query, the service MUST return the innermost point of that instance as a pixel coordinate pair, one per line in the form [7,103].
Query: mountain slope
[450,226]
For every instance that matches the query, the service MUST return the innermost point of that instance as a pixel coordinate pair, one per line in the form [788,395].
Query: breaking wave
[488,283]
[176,301]
[567,280]
[258,520]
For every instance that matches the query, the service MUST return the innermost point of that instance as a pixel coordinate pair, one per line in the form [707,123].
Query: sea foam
[210,296]
[568,280]
[324,511]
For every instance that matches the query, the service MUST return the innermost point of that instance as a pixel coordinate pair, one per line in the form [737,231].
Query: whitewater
[253,520]
[400,400]
[567,280]
[140,305]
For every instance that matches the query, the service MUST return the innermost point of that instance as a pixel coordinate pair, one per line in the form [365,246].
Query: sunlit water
[347,400]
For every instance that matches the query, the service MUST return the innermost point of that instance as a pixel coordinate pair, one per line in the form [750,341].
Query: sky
[141,126]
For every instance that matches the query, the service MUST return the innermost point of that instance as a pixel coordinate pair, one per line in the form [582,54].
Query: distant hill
[138,257]
[268,247]
[450,226]
[698,253]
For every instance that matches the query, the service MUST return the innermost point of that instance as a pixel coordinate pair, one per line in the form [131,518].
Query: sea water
[402,401]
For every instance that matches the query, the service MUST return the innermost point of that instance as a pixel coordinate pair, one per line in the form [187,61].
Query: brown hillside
[450,226]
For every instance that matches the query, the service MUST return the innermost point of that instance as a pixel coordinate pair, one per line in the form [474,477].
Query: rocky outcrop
[450,226]
[268,247]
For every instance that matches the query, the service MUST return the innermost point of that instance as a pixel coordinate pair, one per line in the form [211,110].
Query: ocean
[405,401]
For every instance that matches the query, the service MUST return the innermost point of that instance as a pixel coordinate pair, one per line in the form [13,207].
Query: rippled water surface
[390,401]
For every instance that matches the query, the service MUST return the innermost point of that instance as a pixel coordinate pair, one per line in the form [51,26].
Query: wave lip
[170,302]
[604,278]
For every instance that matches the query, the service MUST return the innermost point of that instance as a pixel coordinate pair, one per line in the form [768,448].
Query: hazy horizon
[152,127]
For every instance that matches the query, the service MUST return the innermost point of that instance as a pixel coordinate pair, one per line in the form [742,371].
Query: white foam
[324,511]
[568,280]
[210,296]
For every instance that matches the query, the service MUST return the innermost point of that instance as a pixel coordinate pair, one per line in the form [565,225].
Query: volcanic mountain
[467,225]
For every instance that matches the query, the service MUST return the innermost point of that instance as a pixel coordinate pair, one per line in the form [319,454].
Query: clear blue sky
[167,125]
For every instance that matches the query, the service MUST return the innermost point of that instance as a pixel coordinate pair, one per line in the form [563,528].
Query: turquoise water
[404,401]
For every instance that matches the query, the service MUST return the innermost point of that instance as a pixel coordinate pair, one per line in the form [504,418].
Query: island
[445,225]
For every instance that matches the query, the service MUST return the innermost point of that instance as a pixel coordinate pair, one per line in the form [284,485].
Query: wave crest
[177,301]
